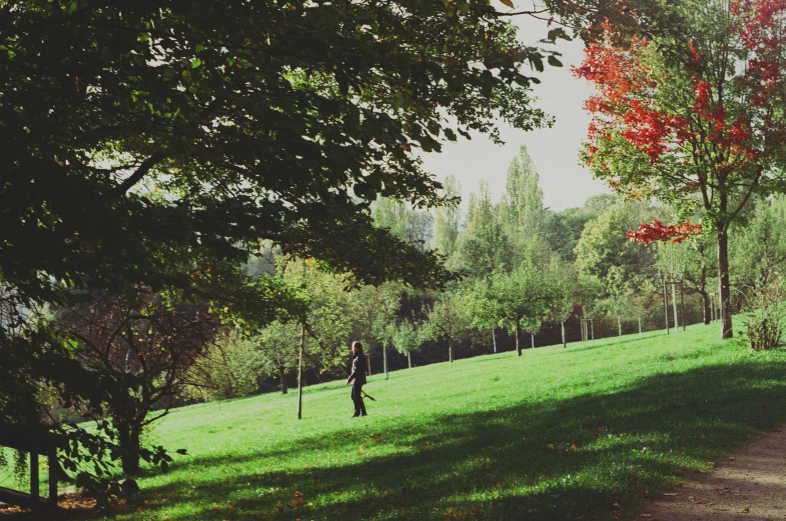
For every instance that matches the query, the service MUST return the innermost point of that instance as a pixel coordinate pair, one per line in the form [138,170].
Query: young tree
[278,347]
[448,319]
[696,118]
[523,299]
[407,337]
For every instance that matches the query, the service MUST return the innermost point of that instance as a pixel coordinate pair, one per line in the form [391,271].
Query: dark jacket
[358,373]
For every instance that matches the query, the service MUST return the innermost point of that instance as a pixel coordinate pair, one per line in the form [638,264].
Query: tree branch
[143,169]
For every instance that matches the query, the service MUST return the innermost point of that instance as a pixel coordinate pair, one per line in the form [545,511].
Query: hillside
[578,433]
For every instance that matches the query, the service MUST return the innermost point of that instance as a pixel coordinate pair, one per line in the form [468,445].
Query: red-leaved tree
[694,118]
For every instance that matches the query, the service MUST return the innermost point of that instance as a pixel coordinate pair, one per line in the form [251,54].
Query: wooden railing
[36,443]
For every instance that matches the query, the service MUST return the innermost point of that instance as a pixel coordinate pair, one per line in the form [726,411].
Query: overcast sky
[554,151]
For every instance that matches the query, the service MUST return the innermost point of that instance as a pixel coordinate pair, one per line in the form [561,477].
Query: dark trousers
[357,399]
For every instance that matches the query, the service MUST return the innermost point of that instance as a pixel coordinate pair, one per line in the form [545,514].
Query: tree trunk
[724,282]
[705,298]
[518,345]
[283,379]
[385,359]
[128,438]
[674,307]
[300,374]
[564,343]
[450,351]
[619,325]
[494,339]
[409,359]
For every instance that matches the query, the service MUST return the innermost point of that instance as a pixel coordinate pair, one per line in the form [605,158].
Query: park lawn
[585,432]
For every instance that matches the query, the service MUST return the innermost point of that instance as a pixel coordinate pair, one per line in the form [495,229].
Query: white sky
[554,151]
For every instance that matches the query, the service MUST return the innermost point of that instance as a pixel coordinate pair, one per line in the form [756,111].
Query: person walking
[358,378]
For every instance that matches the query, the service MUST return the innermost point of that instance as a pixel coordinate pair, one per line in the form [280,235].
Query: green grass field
[559,434]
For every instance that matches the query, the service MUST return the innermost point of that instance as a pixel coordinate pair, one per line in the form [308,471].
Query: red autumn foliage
[625,107]
[657,231]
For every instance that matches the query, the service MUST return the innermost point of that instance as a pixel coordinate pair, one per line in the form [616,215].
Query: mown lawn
[559,434]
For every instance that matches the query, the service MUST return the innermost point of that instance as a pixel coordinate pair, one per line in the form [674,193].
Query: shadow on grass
[591,457]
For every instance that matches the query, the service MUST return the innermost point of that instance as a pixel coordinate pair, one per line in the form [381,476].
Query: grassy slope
[578,433]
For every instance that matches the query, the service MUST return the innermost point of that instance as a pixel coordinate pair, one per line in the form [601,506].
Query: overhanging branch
[140,172]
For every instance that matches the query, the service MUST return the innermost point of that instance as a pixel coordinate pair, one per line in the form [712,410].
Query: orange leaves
[657,231]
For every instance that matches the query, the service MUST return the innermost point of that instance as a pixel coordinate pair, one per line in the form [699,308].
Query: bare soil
[749,486]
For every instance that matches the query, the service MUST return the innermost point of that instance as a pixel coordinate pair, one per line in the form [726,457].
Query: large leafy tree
[694,117]
[152,144]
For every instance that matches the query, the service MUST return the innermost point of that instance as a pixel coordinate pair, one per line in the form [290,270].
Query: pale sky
[554,151]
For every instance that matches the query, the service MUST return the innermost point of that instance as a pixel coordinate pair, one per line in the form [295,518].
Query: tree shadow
[589,457]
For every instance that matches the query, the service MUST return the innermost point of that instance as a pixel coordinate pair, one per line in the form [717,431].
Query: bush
[229,369]
[766,313]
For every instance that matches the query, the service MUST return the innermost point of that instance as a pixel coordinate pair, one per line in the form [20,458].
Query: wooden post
[53,468]
[300,373]
[666,304]
[564,344]
[674,305]
[34,481]
[494,338]
[385,359]
[682,305]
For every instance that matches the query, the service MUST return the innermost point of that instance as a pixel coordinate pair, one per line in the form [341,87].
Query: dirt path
[750,486]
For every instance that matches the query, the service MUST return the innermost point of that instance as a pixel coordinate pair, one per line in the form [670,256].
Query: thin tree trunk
[619,326]
[283,379]
[705,298]
[385,360]
[564,343]
[409,359]
[518,345]
[724,282]
[494,339]
[300,374]
[450,351]
[639,325]
[532,337]
[674,307]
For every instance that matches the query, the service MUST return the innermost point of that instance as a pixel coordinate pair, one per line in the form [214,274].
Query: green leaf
[196,63]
